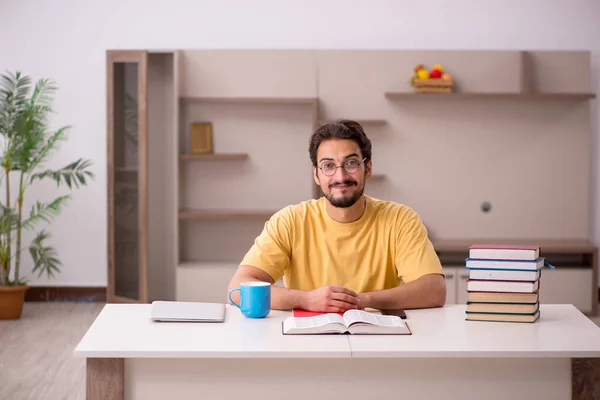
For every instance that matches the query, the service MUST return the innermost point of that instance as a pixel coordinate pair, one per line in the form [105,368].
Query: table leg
[585,378]
[105,379]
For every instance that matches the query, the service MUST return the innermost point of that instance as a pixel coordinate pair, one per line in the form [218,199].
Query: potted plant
[27,142]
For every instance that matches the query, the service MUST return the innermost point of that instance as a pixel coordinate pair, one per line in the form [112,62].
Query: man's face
[343,188]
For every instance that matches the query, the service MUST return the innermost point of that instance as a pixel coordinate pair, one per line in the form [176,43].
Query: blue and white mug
[255,299]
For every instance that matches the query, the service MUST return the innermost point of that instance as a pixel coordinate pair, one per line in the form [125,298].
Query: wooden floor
[36,352]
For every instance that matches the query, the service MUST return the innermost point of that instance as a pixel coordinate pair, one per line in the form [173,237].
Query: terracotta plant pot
[11,301]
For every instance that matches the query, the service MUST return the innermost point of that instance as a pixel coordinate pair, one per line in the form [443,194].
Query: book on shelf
[504,252]
[354,322]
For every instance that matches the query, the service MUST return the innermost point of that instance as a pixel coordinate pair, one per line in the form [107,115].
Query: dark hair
[339,129]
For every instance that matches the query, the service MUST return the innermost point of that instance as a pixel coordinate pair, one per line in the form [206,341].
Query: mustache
[348,182]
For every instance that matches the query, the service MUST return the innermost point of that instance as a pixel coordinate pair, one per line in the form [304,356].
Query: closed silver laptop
[183,311]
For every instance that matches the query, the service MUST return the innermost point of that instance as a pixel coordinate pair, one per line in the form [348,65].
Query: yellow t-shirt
[386,247]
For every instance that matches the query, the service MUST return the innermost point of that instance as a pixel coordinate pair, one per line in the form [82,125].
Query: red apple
[435,73]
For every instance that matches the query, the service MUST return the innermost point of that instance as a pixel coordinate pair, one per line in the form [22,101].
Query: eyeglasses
[351,166]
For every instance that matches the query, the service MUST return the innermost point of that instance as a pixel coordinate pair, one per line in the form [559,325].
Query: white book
[504,252]
[502,286]
[505,264]
[355,322]
[504,275]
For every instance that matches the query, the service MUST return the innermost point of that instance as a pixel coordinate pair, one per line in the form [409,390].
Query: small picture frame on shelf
[201,137]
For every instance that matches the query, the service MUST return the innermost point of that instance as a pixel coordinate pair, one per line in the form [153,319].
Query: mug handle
[229,296]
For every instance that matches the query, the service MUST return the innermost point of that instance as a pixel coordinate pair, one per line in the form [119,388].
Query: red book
[305,313]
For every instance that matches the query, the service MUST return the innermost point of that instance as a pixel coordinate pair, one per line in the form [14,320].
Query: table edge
[341,354]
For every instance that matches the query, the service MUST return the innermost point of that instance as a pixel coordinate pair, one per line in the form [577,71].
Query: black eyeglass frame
[343,166]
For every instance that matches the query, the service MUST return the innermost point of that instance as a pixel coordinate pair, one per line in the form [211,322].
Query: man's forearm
[286,299]
[425,292]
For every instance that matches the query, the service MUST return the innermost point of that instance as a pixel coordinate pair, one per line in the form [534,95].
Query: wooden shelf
[547,245]
[360,121]
[225,214]
[250,100]
[213,156]
[479,96]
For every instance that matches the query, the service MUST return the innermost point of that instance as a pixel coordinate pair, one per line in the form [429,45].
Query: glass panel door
[127,181]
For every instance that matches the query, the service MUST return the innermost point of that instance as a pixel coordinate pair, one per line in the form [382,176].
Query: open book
[355,322]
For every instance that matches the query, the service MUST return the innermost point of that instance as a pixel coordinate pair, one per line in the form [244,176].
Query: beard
[344,200]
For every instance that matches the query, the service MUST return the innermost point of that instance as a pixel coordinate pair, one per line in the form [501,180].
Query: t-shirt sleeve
[415,255]
[271,250]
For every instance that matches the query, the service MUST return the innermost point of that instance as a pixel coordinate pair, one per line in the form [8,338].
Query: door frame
[141,58]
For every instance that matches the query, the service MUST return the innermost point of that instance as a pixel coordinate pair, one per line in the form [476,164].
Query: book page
[388,320]
[317,321]
[359,316]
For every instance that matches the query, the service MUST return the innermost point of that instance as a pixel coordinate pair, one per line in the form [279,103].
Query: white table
[129,357]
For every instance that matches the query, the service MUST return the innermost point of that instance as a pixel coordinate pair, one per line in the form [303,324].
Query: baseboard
[65,293]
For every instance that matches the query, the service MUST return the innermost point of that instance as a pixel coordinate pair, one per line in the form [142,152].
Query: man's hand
[330,298]
[424,292]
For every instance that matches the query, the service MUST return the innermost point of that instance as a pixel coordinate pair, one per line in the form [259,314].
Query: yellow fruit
[438,67]
[423,74]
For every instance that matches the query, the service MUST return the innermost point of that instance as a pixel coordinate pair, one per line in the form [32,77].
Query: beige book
[504,308]
[493,297]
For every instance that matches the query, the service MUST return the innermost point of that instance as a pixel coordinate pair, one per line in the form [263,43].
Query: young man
[345,250]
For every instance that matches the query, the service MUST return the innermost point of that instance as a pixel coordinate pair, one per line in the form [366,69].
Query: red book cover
[305,313]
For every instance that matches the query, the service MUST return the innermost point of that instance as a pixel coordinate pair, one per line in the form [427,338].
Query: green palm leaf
[14,89]
[75,173]
[45,212]
[37,150]
[44,257]
[43,94]
[8,218]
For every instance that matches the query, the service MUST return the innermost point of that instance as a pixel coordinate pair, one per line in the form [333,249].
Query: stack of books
[504,283]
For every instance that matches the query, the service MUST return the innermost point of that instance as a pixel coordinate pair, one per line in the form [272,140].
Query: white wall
[66,40]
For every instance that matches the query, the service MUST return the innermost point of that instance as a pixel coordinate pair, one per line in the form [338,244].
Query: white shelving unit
[442,154]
